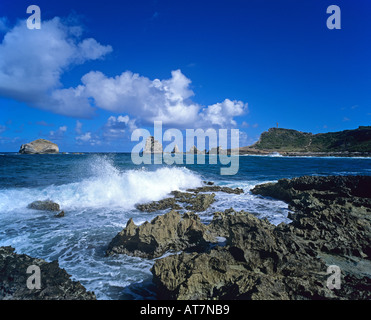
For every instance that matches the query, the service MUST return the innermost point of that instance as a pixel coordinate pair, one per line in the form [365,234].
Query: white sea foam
[106,187]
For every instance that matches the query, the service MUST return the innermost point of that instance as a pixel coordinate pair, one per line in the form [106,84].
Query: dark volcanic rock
[333,213]
[55,282]
[258,262]
[169,232]
[46,205]
[60,214]
[168,203]
[211,188]
[331,222]
[194,201]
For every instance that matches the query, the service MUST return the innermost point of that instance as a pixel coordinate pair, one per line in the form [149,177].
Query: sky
[98,70]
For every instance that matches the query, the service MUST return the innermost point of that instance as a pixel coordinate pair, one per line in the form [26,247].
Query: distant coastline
[293,143]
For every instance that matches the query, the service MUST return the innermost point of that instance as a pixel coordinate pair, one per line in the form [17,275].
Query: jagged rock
[208,183]
[39,146]
[169,232]
[60,214]
[333,212]
[176,149]
[258,260]
[152,146]
[195,202]
[256,263]
[46,205]
[211,188]
[168,203]
[55,282]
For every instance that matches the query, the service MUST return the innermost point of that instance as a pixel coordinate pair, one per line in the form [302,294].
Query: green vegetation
[288,140]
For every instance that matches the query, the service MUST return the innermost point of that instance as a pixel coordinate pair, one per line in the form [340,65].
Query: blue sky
[99,69]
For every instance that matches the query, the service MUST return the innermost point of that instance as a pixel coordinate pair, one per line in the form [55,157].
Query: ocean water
[98,193]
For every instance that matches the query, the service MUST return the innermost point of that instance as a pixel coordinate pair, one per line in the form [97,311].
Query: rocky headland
[288,142]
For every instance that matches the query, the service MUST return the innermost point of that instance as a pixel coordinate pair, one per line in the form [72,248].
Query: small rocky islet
[237,255]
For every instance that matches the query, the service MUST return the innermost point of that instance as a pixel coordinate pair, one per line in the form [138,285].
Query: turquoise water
[98,193]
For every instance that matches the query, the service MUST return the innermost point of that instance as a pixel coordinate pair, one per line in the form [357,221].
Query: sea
[99,192]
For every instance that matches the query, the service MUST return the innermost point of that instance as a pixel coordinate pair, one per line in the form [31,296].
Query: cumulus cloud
[165,100]
[84,137]
[222,114]
[32,62]
[118,127]
[58,134]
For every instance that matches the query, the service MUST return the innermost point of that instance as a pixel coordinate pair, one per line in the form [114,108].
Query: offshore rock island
[39,146]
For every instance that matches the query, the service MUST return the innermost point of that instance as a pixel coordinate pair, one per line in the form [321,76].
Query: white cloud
[2,128]
[84,137]
[222,114]
[58,134]
[152,100]
[117,127]
[32,62]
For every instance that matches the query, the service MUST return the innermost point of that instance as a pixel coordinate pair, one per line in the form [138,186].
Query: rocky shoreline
[236,255]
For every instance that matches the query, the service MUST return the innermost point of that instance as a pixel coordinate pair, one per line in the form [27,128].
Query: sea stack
[152,146]
[39,146]
[176,149]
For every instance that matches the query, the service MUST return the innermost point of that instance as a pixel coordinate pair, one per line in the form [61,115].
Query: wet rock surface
[196,200]
[332,213]
[331,222]
[169,232]
[46,205]
[55,282]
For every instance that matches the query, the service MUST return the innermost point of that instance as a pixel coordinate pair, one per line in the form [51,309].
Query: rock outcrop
[152,146]
[39,146]
[257,262]
[55,282]
[331,225]
[333,212]
[191,201]
[176,149]
[169,232]
[46,205]
[194,199]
